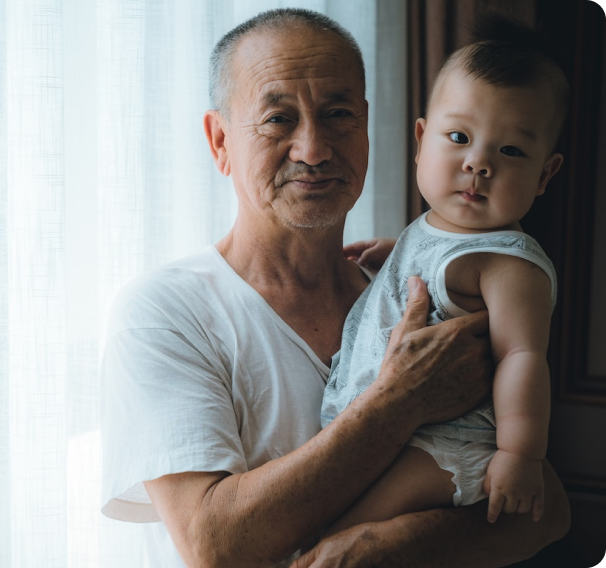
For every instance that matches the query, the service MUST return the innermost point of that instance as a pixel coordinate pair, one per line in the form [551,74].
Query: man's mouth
[312,184]
[311,178]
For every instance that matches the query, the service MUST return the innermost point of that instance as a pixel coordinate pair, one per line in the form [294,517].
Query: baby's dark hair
[506,53]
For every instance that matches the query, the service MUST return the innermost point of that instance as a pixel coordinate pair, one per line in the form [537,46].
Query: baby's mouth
[471,196]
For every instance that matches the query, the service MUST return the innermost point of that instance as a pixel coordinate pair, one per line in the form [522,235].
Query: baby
[485,151]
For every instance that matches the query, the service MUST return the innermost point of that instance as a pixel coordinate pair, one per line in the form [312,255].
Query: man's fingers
[476,323]
[356,249]
[363,258]
[417,306]
[304,561]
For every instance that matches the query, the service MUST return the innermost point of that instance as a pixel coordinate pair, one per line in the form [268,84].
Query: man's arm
[258,517]
[458,537]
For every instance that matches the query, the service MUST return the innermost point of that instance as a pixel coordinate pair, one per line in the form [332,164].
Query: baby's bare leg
[413,482]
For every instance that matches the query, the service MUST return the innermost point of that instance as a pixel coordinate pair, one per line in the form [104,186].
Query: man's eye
[458,138]
[512,151]
[339,113]
[277,119]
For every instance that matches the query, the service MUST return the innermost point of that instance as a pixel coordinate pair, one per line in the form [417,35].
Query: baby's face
[484,153]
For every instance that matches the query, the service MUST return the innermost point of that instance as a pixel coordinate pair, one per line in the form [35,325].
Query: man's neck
[302,276]
[305,259]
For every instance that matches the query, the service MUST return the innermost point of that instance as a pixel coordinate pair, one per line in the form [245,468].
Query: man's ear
[550,168]
[214,128]
[419,131]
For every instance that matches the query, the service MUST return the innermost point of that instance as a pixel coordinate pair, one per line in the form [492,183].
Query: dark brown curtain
[562,219]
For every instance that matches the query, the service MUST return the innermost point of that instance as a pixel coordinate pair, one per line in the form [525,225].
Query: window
[105,173]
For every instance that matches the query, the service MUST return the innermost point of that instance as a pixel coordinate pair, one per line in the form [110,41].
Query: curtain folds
[104,174]
[37,351]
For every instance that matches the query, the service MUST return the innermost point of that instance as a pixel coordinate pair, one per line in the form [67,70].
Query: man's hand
[515,485]
[356,547]
[447,366]
[370,254]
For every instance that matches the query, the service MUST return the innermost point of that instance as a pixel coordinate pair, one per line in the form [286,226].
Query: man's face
[296,137]
[484,153]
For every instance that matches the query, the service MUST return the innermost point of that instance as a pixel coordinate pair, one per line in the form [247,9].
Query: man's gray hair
[220,71]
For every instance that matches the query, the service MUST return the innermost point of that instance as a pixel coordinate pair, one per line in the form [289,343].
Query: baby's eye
[512,151]
[458,138]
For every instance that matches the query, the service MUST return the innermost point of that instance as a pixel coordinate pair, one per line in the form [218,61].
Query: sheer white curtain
[104,173]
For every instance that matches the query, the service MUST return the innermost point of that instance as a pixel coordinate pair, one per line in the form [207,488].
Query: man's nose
[310,142]
[478,163]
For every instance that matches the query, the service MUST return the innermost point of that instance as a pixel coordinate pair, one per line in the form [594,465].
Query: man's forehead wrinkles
[295,50]
[272,88]
[296,67]
[277,95]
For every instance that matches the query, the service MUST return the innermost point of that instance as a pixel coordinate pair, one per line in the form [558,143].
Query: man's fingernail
[413,283]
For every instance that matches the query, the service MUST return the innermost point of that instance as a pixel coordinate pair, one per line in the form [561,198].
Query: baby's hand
[514,484]
[370,254]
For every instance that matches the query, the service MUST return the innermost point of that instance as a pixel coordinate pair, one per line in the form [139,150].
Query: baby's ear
[550,168]
[420,126]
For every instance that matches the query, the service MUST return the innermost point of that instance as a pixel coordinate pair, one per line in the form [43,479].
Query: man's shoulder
[160,296]
[169,279]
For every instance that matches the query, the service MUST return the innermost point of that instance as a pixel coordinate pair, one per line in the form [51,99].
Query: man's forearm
[260,516]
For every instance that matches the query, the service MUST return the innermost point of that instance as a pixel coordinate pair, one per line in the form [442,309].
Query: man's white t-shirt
[199,374]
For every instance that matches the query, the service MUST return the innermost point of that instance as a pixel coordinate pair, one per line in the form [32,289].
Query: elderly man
[215,365]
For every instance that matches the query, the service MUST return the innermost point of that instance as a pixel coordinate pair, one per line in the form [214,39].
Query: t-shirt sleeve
[166,408]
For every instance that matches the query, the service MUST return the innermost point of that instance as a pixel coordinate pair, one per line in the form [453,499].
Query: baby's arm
[370,254]
[517,294]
